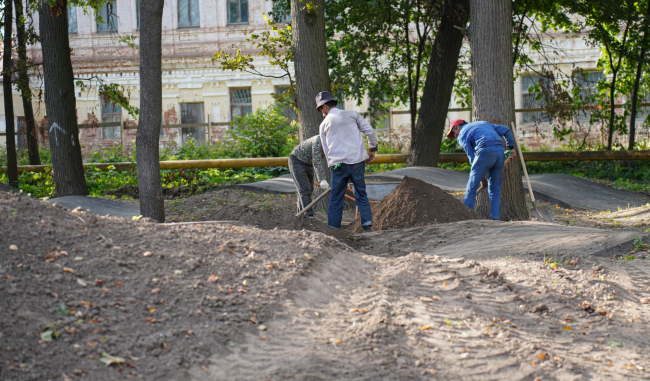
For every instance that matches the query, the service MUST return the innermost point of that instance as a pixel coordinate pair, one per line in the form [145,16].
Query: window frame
[137,14]
[585,115]
[536,116]
[189,14]
[113,115]
[239,22]
[107,20]
[238,105]
[289,112]
[76,20]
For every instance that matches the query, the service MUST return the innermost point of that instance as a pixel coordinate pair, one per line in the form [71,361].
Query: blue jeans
[488,162]
[340,177]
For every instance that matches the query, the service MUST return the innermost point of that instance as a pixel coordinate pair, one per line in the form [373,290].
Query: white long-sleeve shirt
[340,134]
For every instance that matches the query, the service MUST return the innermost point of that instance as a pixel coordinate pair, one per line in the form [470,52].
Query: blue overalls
[484,147]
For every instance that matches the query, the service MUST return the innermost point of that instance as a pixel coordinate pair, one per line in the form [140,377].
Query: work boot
[367,228]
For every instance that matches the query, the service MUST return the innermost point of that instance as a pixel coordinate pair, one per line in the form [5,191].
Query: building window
[240,103]
[192,113]
[137,13]
[108,14]
[281,15]
[72,19]
[529,100]
[588,83]
[237,11]
[111,113]
[188,13]
[290,111]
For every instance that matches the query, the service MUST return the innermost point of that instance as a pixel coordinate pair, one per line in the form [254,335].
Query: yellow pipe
[379,159]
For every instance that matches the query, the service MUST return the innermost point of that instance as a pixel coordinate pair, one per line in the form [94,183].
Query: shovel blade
[542,214]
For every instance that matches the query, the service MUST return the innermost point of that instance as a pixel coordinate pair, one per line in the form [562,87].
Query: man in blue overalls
[484,147]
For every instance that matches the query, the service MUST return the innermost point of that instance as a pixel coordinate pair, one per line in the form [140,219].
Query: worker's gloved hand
[508,153]
[324,185]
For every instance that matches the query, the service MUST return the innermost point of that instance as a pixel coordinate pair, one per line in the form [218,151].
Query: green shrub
[265,133]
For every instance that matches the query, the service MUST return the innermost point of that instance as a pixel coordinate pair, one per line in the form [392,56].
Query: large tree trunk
[493,98]
[428,132]
[310,62]
[147,140]
[23,84]
[12,169]
[60,103]
[312,74]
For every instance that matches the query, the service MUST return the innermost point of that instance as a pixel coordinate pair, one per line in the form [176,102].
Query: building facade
[196,90]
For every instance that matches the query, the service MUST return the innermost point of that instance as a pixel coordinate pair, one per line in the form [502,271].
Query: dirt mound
[416,203]
[161,297]
[269,219]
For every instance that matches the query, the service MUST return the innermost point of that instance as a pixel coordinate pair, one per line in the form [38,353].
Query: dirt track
[473,299]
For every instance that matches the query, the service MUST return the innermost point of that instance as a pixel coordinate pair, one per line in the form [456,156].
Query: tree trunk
[511,181]
[635,96]
[12,169]
[310,62]
[60,103]
[312,75]
[612,110]
[493,98]
[23,84]
[148,137]
[428,132]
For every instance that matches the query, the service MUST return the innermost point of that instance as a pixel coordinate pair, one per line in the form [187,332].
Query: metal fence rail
[379,159]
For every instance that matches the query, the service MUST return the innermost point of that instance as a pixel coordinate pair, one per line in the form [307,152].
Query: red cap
[452,125]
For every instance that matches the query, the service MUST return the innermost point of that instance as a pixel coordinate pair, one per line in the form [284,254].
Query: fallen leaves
[147,254]
[261,328]
[150,320]
[155,291]
[70,330]
[92,344]
[424,328]
[13,247]
[110,360]
[68,270]
[213,278]
[152,310]
[567,328]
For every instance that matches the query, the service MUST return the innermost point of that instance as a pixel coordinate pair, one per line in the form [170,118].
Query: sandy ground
[468,300]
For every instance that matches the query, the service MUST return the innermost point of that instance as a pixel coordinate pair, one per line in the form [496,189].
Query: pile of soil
[269,219]
[163,298]
[415,203]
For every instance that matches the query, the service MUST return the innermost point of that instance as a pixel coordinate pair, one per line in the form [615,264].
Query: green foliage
[638,244]
[382,54]
[278,51]
[379,168]
[266,133]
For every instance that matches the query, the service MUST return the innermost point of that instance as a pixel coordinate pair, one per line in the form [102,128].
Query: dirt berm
[415,203]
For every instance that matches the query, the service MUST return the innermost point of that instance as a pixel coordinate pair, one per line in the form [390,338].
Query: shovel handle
[523,163]
[306,208]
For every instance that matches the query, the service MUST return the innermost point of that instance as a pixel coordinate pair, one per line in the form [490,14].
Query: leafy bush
[266,133]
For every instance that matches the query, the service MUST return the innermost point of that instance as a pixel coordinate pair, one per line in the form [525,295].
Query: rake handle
[306,208]
[523,163]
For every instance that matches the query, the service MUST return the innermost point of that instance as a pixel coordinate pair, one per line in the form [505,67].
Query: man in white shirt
[342,140]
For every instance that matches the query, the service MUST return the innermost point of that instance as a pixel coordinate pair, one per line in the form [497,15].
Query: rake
[541,213]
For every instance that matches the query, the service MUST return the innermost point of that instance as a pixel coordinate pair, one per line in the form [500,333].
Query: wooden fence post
[123,136]
[209,129]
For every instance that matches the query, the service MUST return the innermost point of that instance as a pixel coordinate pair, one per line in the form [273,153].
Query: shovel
[541,213]
[306,208]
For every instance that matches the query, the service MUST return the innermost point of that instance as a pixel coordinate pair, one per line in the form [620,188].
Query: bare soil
[161,297]
[474,299]
[415,203]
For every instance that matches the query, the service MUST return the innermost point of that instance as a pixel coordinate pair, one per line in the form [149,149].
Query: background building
[196,90]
